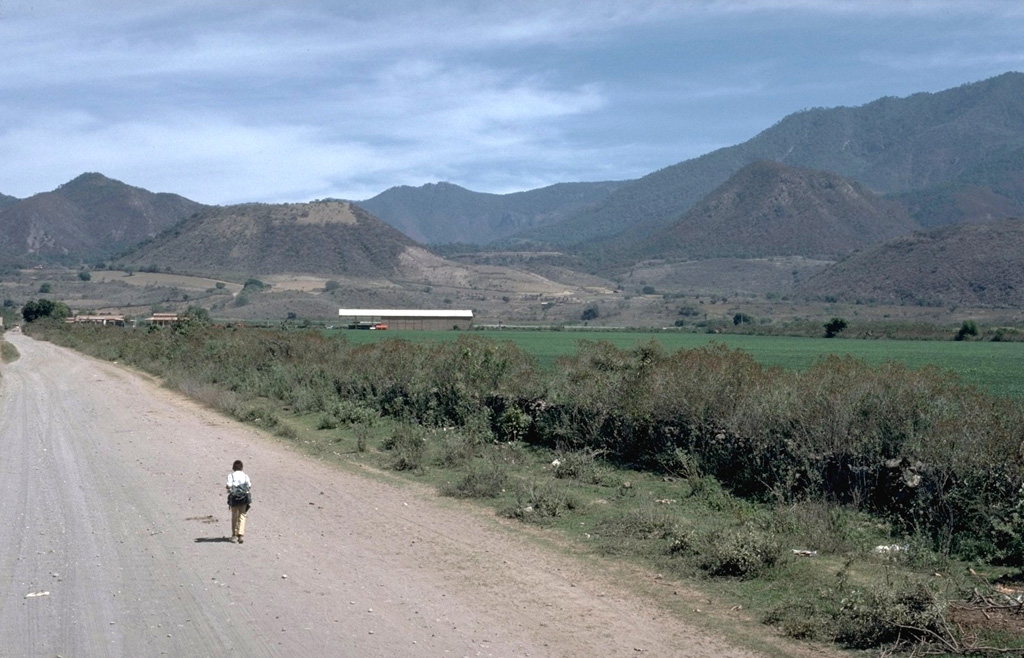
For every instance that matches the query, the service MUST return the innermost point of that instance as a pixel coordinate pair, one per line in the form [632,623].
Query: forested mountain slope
[445,213]
[770,209]
[88,218]
[979,264]
[890,145]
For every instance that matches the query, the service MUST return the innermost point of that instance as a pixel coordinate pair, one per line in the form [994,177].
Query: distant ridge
[439,213]
[6,201]
[86,219]
[324,237]
[993,189]
[769,209]
[890,145]
[979,264]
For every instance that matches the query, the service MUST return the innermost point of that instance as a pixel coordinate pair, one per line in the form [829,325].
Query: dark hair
[237,466]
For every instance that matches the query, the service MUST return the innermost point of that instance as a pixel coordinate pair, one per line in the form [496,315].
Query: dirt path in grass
[112,543]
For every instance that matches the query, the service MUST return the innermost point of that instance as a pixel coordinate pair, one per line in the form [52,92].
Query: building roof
[402,313]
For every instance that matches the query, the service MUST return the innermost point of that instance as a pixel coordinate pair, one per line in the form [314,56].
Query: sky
[229,102]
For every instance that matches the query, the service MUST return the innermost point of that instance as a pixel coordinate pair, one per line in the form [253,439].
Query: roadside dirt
[113,515]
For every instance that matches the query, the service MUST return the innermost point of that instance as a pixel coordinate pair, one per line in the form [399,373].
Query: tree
[331,285]
[45,308]
[968,328]
[84,275]
[834,326]
[741,318]
[590,313]
[193,318]
[46,288]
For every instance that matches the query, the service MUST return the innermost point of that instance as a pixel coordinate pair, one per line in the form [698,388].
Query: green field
[992,366]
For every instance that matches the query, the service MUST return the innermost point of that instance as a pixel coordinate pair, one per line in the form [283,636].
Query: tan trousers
[238,520]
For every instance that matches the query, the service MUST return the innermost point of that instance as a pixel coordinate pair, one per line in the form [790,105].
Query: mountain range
[854,185]
[83,220]
[928,142]
[965,264]
[442,212]
[771,209]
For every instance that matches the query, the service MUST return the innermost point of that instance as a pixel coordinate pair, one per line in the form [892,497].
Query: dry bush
[743,552]
[483,479]
[540,501]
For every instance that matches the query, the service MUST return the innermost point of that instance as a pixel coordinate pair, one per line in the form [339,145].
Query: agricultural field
[994,367]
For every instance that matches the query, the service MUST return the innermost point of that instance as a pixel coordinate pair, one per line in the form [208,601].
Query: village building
[163,319]
[105,320]
[436,320]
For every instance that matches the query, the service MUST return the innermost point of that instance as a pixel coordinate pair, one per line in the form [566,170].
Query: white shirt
[240,481]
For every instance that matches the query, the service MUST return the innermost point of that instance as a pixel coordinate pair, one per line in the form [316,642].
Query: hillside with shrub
[989,191]
[769,209]
[439,213]
[980,264]
[326,237]
[890,145]
[86,219]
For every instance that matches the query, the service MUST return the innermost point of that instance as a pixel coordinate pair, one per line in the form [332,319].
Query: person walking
[239,488]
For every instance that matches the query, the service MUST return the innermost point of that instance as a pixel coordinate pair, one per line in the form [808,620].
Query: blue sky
[226,102]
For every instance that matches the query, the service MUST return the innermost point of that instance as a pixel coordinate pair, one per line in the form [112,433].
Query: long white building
[366,318]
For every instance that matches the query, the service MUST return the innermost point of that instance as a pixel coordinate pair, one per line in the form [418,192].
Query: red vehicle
[380,326]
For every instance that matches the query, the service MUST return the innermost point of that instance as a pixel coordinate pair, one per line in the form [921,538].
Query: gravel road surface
[113,527]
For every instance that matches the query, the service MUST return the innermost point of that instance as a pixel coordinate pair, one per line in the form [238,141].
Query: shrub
[347,412]
[8,352]
[537,502]
[407,446]
[258,415]
[512,424]
[865,617]
[746,552]
[834,326]
[578,465]
[484,479]
[456,446]
[969,328]
[646,521]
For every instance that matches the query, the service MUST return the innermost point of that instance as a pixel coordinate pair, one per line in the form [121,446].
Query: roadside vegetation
[993,366]
[877,507]
[8,352]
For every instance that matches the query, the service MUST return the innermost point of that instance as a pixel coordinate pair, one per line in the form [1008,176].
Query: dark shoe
[239,539]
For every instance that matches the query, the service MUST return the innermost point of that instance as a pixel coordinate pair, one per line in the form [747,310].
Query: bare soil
[113,542]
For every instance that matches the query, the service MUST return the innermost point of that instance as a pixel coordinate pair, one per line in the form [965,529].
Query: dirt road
[112,543]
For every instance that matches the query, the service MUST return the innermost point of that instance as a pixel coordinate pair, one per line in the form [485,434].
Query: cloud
[946,59]
[227,102]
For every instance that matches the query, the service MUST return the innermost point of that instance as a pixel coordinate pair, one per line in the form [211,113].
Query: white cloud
[946,59]
[266,101]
